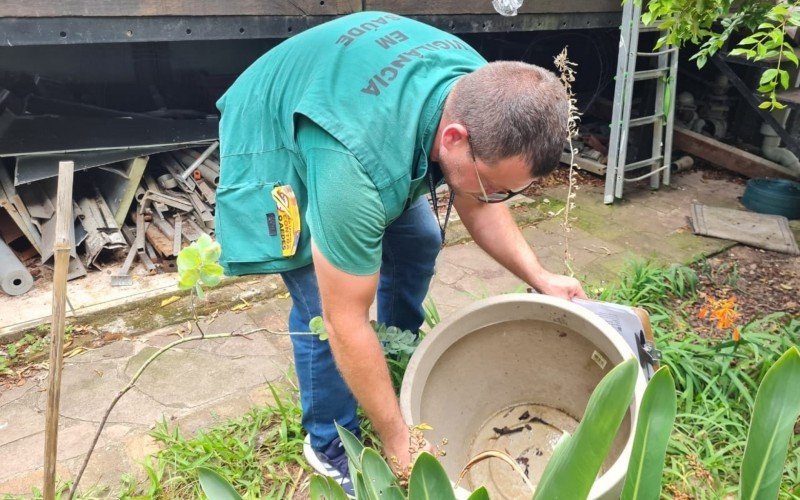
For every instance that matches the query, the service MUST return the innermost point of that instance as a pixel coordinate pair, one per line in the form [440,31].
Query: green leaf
[750,40]
[211,253]
[575,469]
[765,105]
[428,480]
[359,486]
[738,52]
[378,477]
[211,274]
[776,410]
[479,494]
[215,486]
[188,258]
[784,79]
[768,75]
[199,290]
[701,61]
[352,446]
[188,278]
[653,428]
[316,325]
[790,55]
[326,488]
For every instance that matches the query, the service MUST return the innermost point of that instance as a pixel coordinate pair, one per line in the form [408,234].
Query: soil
[763,282]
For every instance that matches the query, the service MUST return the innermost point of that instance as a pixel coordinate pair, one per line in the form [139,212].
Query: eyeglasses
[497,197]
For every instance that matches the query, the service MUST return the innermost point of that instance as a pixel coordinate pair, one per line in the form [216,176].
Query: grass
[716,383]
[259,453]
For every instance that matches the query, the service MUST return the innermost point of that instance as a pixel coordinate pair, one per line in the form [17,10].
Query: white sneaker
[331,463]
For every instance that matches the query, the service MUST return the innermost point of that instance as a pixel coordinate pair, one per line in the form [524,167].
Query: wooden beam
[144,8]
[62,248]
[485,6]
[727,156]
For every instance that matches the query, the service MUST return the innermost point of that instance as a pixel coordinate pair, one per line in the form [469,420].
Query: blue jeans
[410,246]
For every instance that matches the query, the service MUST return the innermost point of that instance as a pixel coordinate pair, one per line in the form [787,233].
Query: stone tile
[187,379]
[18,421]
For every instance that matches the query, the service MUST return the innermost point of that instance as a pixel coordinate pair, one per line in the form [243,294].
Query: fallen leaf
[786,287]
[170,300]
[75,352]
[282,295]
[241,307]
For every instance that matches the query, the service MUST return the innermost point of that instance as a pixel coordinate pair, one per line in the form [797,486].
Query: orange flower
[736,335]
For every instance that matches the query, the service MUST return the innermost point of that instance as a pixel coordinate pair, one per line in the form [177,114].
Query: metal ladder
[662,119]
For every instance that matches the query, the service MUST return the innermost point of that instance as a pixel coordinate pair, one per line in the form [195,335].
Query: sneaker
[331,462]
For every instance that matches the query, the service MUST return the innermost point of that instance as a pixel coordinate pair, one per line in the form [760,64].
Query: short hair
[511,109]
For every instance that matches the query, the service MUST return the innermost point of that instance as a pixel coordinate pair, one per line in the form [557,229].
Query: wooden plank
[485,6]
[727,156]
[144,8]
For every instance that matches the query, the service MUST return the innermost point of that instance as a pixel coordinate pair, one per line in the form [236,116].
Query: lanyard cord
[435,202]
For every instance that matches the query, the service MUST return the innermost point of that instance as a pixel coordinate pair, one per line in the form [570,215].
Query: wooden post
[61,251]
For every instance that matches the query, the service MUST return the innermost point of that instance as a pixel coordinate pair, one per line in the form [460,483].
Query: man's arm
[346,299]
[494,230]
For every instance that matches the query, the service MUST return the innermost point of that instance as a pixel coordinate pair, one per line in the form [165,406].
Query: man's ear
[454,135]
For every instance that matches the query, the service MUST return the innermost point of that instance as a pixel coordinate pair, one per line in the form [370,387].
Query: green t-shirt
[375,84]
[345,214]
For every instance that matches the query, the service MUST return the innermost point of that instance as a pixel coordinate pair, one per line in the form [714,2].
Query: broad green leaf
[378,477]
[203,242]
[211,253]
[428,480]
[188,258]
[576,467]
[359,486]
[784,79]
[188,279]
[750,40]
[479,494]
[316,325]
[765,105]
[211,274]
[352,446]
[654,426]
[215,486]
[768,75]
[326,488]
[776,410]
[738,52]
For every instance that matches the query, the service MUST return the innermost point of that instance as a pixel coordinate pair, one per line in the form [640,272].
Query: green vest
[375,81]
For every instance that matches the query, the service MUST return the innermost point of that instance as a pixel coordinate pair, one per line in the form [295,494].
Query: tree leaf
[776,410]
[575,468]
[653,428]
[326,488]
[378,477]
[765,105]
[784,79]
[428,480]
[352,446]
[215,486]
[768,75]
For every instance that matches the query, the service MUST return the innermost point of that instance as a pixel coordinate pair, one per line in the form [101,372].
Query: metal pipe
[186,173]
[14,276]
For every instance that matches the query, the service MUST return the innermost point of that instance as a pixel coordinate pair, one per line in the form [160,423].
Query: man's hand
[558,285]
[402,452]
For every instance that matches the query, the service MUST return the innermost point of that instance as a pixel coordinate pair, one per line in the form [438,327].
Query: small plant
[198,265]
